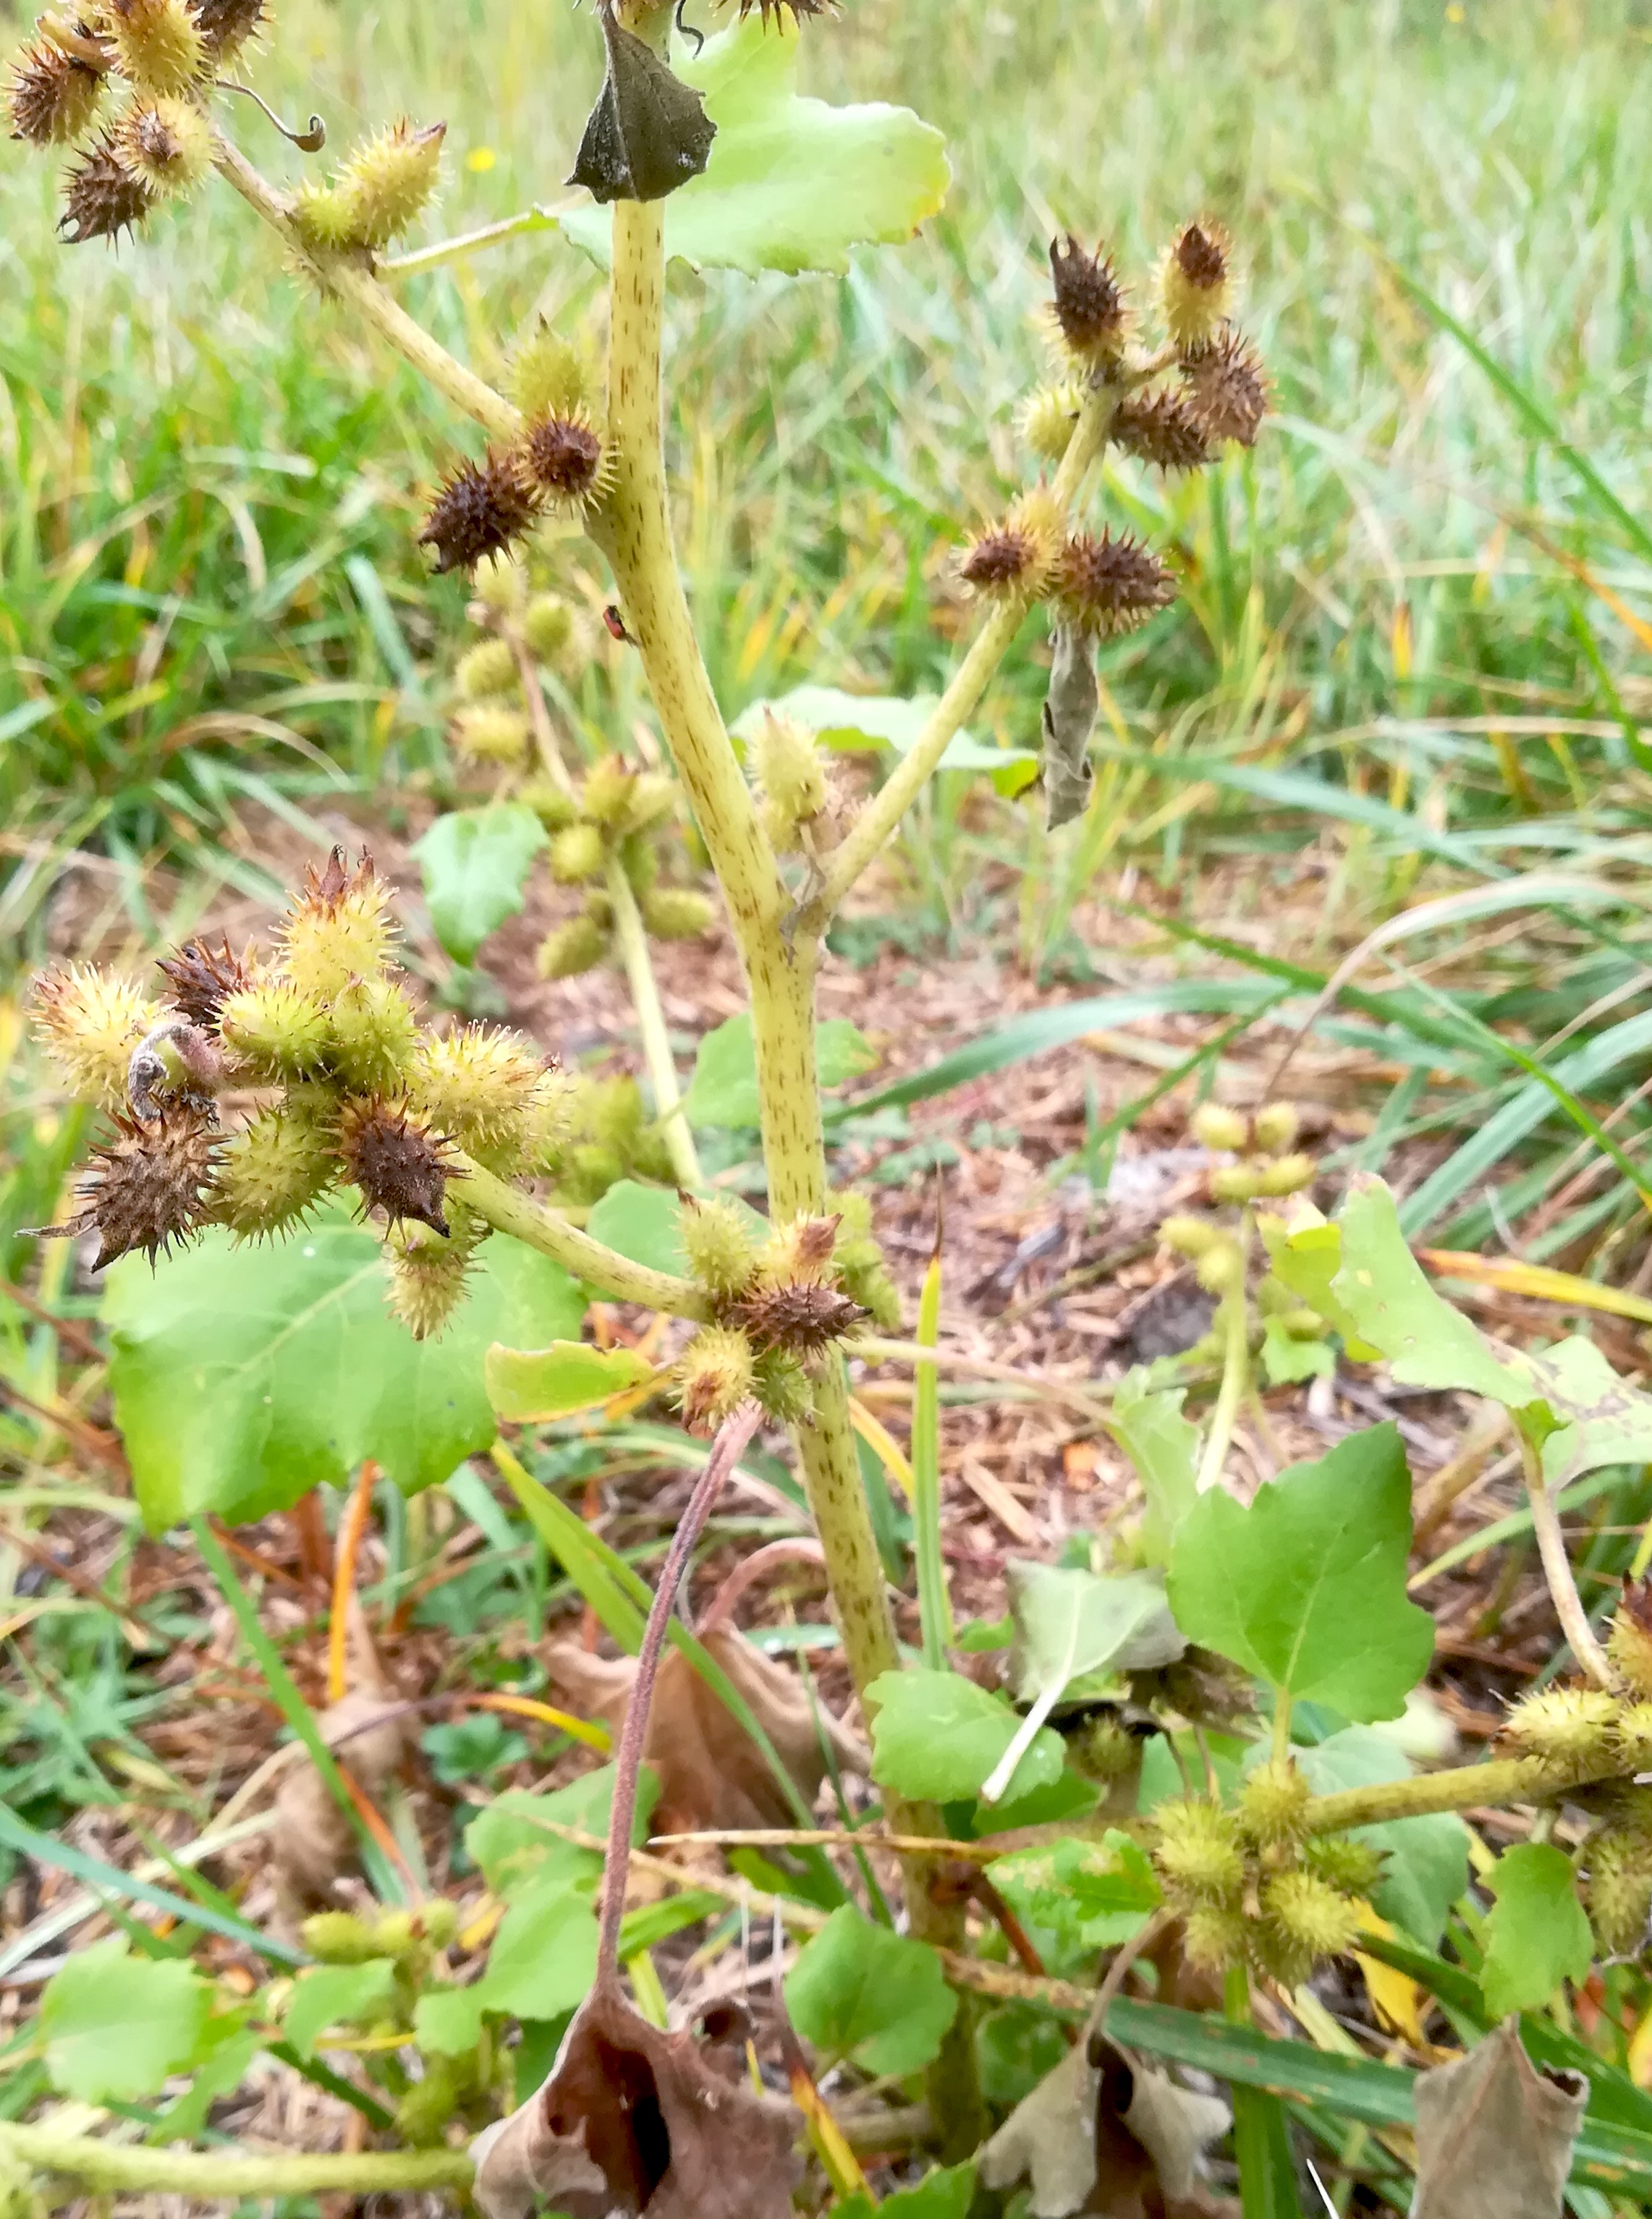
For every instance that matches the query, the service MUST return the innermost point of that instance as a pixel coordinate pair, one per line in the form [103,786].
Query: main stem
[112,2168]
[634,529]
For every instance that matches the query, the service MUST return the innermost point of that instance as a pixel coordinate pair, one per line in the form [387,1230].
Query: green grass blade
[934,1605]
[1262,2144]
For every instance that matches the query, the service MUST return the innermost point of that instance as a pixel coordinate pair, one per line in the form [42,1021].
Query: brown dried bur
[1495,2134]
[634,2120]
[711,1773]
[1102,2133]
[313,1842]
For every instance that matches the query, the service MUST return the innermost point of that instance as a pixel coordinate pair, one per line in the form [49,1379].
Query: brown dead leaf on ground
[711,1773]
[637,2121]
[1495,2134]
[1103,2134]
[314,1844]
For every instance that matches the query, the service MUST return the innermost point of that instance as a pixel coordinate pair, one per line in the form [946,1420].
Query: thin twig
[1557,1571]
[726,1450]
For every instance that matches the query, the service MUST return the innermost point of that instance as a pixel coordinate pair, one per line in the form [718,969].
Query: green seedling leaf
[222,2070]
[941,2195]
[1070,1623]
[530,1384]
[857,723]
[1425,1860]
[475,864]
[337,1995]
[1287,1360]
[1538,1934]
[1163,1446]
[792,184]
[1092,1895]
[447,2022]
[116,2026]
[1307,1586]
[936,1736]
[544,1957]
[517,1853]
[244,1377]
[723,1090]
[860,1993]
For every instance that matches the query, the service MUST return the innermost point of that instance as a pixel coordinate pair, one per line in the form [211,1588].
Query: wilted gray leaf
[649,132]
[1495,2135]
[1070,709]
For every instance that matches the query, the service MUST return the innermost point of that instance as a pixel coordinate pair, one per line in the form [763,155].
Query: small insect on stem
[616,624]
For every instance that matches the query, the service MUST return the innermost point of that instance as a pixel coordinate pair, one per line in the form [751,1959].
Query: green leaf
[1287,1360]
[793,183]
[337,1995]
[1536,1933]
[723,1090]
[860,1993]
[244,1377]
[858,721]
[544,1957]
[937,1736]
[475,864]
[526,1384]
[116,2026]
[1072,1624]
[640,1222]
[940,2194]
[1262,2146]
[1306,1587]
[1091,1895]
[516,1851]
[1163,1446]
[1425,1866]
[447,2022]
[222,2068]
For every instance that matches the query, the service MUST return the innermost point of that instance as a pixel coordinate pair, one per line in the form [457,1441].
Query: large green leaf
[537,1383]
[516,1851]
[475,864]
[860,722]
[1361,1272]
[1163,1446]
[937,1735]
[938,2195]
[860,1992]
[723,1090]
[793,183]
[242,1377]
[1425,1860]
[1307,1585]
[116,2026]
[1538,1934]
[1091,1895]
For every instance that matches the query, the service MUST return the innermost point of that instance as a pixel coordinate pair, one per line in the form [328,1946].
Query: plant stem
[1236,1379]
[651,1031]
[1503,1780]
[113,2168]
[350,279]
[507,1209]
[1557,1571]
[472,242]
[732,1437]
[878,819]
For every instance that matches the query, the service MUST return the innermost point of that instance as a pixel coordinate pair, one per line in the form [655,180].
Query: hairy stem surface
[114,2169]
[507,1209]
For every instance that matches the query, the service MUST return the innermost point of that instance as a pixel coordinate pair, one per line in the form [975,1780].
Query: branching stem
[1557,1571]
[507,1209]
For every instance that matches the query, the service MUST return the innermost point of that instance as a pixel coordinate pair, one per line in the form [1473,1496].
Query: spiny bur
[1226,389]
[428,1278]
[1219,1267]
[677,913]
[1186,1235]
[577,855]
[552,804]
[1570,1728]
[782,1385]
[1354,1867]
[478,1089]
[717,1241]
[1276,1126]
[714,1377]
[1620,1891]
[88,1022]
[271,1174]
[379,190]
[275,1031]
[101,196]
[167,143]
[1304,1919]
[479,510]
[578,946]
[200,978]
[1013,559]
[227,26]
[1214,1126]
[1046,418]
[607,793]
[1632,1733]
[1089,306]
[1160,428]
[1212,1937]
[549,377]
[1273,1803]
[500,585]
[488,668]
[1107,586]
[338,1937]
[492,731]
[786,766]
[148,1185]
[397,1164]
[548,627]
[1196,284]
[157,44]
[374,1035]
[1198,1853]
[53,96]
[340,928]
[1629,1645]
[568,460]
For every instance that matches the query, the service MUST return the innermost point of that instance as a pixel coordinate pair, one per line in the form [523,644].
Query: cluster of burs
[161,60]
[1203,389]
[1253,1884]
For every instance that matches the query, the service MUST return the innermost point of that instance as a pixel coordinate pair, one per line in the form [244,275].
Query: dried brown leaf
[1495,2134]
[711,1773]
[314,1844]
[637,2121]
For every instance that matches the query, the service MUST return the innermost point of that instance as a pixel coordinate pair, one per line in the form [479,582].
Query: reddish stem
[726,1450]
